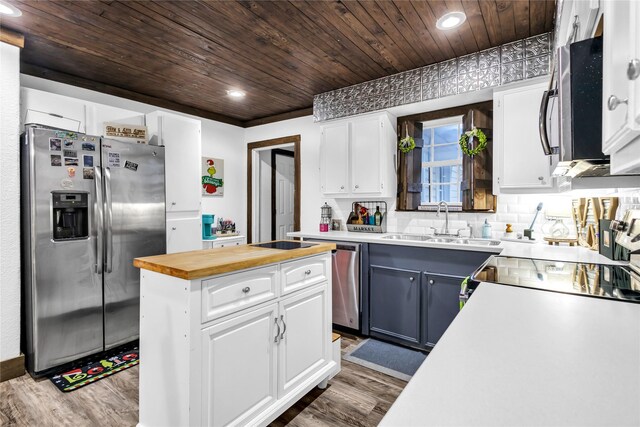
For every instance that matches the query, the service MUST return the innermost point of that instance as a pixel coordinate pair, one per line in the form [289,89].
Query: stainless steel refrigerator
[89,207]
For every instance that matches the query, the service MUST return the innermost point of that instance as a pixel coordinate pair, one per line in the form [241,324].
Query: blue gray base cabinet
[413,292]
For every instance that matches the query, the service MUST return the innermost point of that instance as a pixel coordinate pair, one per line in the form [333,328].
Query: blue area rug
[390,359]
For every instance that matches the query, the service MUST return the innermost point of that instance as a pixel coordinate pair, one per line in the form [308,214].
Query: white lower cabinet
[305,342]
[239,365]
[183,234]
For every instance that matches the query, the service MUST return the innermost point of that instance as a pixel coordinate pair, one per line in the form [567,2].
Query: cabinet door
[516,138]
[394,303]
[305,344]
[181,138]
[239,361]
[441,298]
[334,159]
[366,153]
[621,123]
[53,110]
[183,235]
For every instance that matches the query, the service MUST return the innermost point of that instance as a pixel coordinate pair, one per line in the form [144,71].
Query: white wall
[310,198]
[9,202]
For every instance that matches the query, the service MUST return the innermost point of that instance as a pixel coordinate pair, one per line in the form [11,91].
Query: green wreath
[407,143]
[464,141]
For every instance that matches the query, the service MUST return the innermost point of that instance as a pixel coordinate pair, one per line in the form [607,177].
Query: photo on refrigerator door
[212,176]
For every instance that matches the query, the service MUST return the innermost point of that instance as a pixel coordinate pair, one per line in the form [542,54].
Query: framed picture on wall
[212,177]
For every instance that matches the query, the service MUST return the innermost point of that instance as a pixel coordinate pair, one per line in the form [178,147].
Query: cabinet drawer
[303,273]
[228,294]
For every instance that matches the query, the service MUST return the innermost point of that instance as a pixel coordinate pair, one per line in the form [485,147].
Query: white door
[184,234]
[521,161]
[305,344]
[284,195]
[239,367]
[181,138]
[366,152]
[334,159]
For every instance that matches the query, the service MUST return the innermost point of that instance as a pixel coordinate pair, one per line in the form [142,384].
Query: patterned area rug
[390,359]
[97,367]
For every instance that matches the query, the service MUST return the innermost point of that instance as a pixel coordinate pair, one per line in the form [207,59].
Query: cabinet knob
[540,178]
[431,281]
[342,187]
[246,290]
[173,203]
[357,186]
[173,228]
[308,272]
[614,101]
[633,71]
[411,279]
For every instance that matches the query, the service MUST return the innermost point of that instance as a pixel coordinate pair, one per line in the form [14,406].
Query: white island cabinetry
[235,348]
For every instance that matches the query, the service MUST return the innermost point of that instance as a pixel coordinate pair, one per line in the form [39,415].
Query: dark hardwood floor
[357,396]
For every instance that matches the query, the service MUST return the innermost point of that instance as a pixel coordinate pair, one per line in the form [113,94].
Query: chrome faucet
[445,230]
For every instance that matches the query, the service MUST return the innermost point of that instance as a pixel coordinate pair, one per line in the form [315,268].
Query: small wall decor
[126,133]
[212,176]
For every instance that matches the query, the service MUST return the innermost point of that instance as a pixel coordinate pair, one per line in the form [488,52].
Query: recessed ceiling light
[9,10]
[234,93]
[451,20]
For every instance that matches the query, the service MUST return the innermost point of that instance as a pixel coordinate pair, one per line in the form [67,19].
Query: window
[441,162]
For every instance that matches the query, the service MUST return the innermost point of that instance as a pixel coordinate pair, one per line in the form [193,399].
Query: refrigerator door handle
[109,220]
[99,219]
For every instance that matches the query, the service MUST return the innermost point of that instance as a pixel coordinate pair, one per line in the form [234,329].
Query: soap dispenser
[486,229]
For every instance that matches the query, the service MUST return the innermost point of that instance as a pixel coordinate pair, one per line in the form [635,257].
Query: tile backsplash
[511,62]
[518,210]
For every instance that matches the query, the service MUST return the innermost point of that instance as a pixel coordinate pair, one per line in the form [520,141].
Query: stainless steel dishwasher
[345,271]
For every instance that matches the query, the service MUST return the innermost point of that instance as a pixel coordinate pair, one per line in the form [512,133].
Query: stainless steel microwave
[579,93]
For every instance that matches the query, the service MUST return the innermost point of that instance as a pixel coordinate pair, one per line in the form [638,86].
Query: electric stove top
[617,282]
[284,245]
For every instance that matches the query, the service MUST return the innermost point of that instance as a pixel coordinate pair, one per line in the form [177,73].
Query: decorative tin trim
[520,60]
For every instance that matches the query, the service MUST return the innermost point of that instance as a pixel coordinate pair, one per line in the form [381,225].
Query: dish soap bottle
[486,229]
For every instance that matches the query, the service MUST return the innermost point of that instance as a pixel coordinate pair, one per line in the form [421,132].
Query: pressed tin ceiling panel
[185,55]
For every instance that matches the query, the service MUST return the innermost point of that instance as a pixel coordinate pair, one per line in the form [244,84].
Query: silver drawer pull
[277,337]
[246,290]
[308,272]
[284,325]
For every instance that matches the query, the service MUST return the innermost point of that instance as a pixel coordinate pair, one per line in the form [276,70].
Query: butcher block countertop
[209,262]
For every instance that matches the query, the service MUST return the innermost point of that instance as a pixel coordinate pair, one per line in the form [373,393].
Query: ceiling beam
[279,117]
[11,37]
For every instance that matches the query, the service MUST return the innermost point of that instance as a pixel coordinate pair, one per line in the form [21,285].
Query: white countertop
[517,356]
[540,250]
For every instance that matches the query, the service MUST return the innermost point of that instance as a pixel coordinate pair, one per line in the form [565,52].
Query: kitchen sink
[431,239]
[414,237]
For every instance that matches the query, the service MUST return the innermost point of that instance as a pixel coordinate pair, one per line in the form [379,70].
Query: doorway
[273,188]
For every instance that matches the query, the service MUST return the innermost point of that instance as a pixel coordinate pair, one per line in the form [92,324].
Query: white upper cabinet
[357,157]
[621,85]
[99,114]
[334,158]
[519,164]
[53,110]
[182,141]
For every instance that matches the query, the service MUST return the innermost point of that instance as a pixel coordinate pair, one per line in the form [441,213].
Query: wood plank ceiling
[185,55]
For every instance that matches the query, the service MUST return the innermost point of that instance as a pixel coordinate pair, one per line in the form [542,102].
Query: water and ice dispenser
[70,215]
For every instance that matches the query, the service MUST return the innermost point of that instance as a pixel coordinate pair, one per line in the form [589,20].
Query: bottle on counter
[486,229]
[377,216]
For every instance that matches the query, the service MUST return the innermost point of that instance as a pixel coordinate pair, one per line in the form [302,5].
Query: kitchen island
[233,335]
